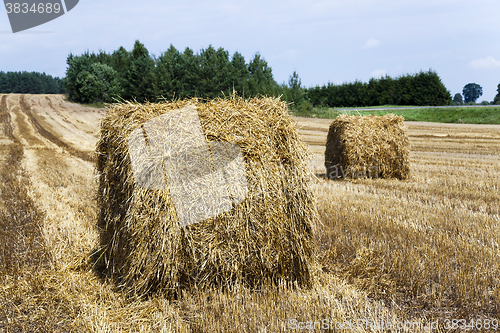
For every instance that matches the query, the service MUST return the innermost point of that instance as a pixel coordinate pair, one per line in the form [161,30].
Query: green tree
[120,62]
[405,90]
[139,76]
[99,84]
[214,72]
[297,93]
[140,81]
[496,101]
[386,90]
[192,76]
[316,95]
[76,65]
[171,73]
[239,73]
[472,92]
[457,99]
[424,88]
[23,83]
[261,77]
[4,83]
[29,83]
[429,90]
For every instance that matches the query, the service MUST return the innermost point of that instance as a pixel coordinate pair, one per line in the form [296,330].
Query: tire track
[26,108]
[22,245]
[5,118]
[30,300]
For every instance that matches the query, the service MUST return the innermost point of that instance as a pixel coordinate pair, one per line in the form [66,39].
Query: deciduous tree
[457,99]
[99,84]
[472,92]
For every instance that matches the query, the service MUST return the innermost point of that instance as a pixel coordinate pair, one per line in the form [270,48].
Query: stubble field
[390,251]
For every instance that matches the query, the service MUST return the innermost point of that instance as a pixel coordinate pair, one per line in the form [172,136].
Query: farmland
[466,114]
[395,251]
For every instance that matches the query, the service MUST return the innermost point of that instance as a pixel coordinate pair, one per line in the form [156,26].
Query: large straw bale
[367,146]
[264,238]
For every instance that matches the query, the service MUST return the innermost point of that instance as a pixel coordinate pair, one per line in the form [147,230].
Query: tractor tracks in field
[5,120]
[22,244]
[26,108]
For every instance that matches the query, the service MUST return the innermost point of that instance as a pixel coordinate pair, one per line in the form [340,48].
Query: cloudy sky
[323,40]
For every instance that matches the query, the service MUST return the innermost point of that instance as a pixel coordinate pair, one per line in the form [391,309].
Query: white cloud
[378,73]
[488,62]
[371,43]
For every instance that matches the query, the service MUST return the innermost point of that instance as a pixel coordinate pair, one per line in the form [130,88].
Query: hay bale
[152,239]
[367,147]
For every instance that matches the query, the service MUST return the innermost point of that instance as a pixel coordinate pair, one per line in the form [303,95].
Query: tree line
[424,88]
[213,72]
[471,92]
[137,75]
[30,83]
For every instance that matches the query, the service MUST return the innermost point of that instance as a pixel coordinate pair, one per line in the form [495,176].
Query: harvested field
[421,249]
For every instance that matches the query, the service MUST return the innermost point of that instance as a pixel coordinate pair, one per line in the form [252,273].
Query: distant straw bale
[195,194]
[367,147]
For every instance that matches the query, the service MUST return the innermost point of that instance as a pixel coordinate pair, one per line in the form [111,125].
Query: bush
[458,100]
[305,106]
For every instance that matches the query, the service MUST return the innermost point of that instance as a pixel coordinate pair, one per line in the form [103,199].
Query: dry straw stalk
[267,237]
[367,146]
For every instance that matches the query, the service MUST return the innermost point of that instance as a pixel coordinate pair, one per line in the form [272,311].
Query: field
[458,115]
[391,251]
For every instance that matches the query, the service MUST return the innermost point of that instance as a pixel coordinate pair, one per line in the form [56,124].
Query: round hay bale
[153,239]
[367,147]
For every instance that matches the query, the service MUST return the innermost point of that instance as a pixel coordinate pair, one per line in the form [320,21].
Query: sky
[323,40]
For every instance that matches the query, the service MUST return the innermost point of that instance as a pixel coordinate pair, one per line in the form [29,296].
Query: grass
[460,115]
[377,107]
[390,250]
